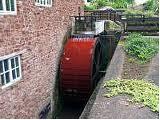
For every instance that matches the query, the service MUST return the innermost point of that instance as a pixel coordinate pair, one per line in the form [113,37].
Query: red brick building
[31,36]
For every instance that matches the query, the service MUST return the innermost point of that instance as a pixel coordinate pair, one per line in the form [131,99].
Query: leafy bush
[152,5]
[120,4]
[131,11]
[110,25]
[140,90]
[141,48]
[149,13]
[113,3]
[151,8]
[89,7]
[100,3]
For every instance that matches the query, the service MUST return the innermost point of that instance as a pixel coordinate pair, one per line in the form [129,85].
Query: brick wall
[39,32]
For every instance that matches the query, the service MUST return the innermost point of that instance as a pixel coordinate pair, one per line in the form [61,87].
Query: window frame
[5,12]
[39,4]
[12,81]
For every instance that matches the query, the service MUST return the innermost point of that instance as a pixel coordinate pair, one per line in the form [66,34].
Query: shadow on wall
[52,109]
[56,102]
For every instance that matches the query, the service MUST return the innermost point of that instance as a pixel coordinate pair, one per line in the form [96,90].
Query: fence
[86,24]
[140,23]
[108,14]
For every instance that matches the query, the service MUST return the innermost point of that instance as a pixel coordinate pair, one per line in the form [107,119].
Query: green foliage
[133,12]
[140,90]
[89,7]
[96,4]
[152,5]
[100,3]
[120,4]
[128,1]
[149,13]
[110,25]
[141,48]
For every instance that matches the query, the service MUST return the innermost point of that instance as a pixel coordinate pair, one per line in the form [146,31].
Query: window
[10,70]
[46,3]
[7,7]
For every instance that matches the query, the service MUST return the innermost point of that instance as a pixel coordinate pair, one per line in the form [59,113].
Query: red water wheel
[79,67]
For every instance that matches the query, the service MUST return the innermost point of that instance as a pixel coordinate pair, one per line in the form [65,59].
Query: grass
[141,91]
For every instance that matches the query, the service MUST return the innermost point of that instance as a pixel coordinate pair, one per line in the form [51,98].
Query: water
[71,111]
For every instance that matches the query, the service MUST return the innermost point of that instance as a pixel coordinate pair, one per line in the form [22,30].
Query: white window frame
[12,81]
[43,5]
[5,12]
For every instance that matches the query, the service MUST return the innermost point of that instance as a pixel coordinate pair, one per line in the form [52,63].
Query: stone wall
[38,32]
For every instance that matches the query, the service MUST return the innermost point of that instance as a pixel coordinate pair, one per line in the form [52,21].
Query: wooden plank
[142,30]
[152,19]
